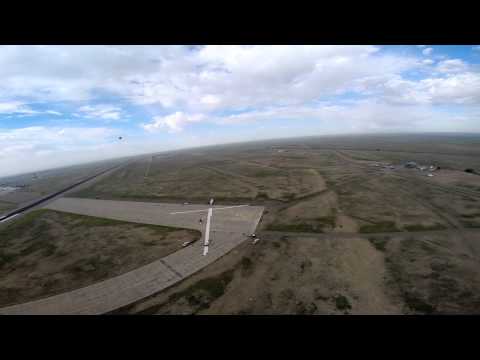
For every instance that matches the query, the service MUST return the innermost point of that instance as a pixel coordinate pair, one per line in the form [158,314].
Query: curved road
[229,228]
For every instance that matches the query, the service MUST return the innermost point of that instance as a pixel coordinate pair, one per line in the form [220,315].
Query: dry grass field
[342,231]
[48,252]
[363,239]
[317,274]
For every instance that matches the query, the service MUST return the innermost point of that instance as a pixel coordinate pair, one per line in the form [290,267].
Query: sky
[63,105]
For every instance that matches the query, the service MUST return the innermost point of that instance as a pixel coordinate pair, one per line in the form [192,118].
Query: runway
[227,229]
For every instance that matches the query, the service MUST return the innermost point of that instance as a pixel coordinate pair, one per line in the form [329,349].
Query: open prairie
[348,226]
[48,252]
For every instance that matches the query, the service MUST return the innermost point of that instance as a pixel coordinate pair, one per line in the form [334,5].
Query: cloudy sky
[61,105]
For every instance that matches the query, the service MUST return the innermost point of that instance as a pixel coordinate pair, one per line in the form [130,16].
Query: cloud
[19,108]
[236,77]
[194,79]
[173,122]
[36,147]
[427,51]
[452,66]
[16,107]
[53,112]
[102,111]
[357,117]
[454,88]
[333,118]
[74,73]
[421,46]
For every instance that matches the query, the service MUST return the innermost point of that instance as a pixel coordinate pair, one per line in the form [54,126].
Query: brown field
[387,274]
[48,252]
[382,240]
[340,233]
[6,206]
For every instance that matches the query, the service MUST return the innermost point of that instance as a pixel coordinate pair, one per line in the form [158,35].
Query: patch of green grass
[384,226]
[20,226]
[327,220]
[262,195]
[5,258]
[301,227]
[417,304]
[98,264]
[420,227]
[470,224]
[470,216]
[204,291]
[288,196]
[92,221]
[379,243]
[342,303]
[246,266]
[317,227]
[263,174]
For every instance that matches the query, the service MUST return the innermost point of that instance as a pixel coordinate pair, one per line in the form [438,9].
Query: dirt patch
[285,275]
[315,214]
[47,252]
[345,223]
[434,273]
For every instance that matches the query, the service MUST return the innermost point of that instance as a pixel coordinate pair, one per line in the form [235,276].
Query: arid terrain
[48,252]
[347,228]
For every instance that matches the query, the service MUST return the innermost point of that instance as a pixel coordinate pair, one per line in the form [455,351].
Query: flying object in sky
[120,138]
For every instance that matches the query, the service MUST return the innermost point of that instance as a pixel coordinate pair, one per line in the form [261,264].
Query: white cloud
[102,111]
[427,61]
[454,88]
[31,148]
[452,66]
[357,117]
[173,122]
[19,108]
[427,51]
[200,79]
[15,107]
[53,112]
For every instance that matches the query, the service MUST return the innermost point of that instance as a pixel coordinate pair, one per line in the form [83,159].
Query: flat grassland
[6,206]
[47,252]
[342,232]
[324,274]
[311,186]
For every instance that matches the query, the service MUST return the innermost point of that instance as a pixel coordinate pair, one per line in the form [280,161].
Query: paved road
[228,229]
[472,231]
[35,204]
